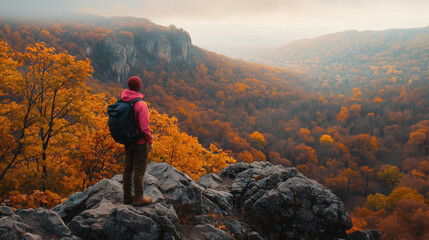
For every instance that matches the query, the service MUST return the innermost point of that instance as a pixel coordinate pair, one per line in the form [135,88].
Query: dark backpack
[122,123]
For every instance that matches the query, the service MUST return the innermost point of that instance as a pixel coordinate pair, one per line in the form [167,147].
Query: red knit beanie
[134,83]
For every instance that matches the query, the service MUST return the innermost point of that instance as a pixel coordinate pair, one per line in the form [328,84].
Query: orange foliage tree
[45,104]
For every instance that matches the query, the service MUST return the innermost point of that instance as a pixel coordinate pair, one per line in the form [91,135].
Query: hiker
[136,158]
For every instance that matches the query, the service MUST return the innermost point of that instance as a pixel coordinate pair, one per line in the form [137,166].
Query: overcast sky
[241,22]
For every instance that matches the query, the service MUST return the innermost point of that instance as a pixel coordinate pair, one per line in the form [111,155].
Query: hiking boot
[140,201]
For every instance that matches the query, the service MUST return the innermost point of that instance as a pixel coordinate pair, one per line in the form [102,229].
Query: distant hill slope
[345,53]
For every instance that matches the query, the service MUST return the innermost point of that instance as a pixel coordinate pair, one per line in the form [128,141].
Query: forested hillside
[356,56]
[354,116]
[387,74]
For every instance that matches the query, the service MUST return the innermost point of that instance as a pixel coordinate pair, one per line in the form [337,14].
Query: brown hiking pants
[136,161]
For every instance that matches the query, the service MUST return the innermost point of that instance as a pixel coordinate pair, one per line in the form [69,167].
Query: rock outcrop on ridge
[243,201]
[115,58]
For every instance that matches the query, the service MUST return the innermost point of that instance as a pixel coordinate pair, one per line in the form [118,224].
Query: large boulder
[30,224]
[178,188]
[104,191]
[281,203]
[210,181]
[156,221]
[86,212]
[89,224]
[11,229]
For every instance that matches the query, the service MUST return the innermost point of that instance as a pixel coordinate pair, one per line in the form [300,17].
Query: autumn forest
[349,110]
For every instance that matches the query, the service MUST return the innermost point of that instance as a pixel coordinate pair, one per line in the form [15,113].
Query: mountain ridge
[345,47]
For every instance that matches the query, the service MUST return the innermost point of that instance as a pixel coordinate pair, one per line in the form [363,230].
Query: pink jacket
[141,112]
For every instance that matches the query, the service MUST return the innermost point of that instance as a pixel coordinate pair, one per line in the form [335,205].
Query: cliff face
[118,58]
[243,201]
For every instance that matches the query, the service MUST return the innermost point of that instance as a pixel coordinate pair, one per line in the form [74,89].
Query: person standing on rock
[136,157]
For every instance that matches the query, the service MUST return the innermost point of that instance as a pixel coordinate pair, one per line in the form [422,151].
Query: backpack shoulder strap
[132,109]
[136,100]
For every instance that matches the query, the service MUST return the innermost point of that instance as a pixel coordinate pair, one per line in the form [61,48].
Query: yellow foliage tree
[402,193]
[376,202]
[257,140]
[326,139]
[304,169]
[8,143]
[379,201]
[390,175]
[45,106]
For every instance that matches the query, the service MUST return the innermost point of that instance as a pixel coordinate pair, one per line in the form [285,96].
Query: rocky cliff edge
[243,201]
